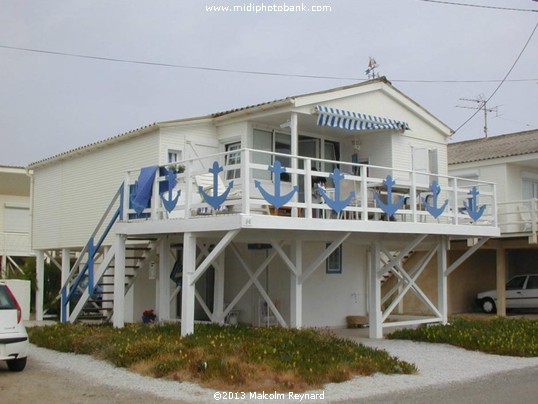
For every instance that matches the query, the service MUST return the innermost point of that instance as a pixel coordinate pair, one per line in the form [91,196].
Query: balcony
[519,218]
[273,190]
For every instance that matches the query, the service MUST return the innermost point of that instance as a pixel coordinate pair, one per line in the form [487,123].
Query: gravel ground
[438,365]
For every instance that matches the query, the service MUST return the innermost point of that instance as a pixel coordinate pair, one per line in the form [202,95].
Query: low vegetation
[234,358]
[501,336]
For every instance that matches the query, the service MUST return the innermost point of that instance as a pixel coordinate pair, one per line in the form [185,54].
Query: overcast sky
[51,103]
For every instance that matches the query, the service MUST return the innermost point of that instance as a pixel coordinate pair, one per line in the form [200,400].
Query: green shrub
[501,336]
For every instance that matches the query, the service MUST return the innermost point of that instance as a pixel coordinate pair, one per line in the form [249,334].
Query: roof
[512,144]
[233,112]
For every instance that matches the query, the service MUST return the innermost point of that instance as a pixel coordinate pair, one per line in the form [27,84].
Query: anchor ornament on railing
[434,210]
[389,208]
[337,204]
[171,202]
[216,200]
[276,200]
[472,208]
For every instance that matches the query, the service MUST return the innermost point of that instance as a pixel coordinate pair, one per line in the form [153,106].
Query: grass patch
[501,336]
[234,358]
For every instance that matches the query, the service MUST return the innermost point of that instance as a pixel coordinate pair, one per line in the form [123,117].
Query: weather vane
[370,72]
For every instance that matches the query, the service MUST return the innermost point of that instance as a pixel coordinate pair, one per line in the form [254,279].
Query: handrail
[455,189]
[91,249]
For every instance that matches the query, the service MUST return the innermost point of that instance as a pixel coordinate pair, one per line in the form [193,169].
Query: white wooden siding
[185,138]
[71,195]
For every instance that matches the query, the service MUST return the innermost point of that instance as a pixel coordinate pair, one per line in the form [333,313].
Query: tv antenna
[482,104]
[370,71]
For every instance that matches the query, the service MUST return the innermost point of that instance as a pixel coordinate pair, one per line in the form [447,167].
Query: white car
[13,337]
[521,293]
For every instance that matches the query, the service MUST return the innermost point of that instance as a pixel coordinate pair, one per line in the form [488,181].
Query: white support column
[218,293]
[163,306]
[119,282]
[3,269]
[442,279]
[40,283]
[66,268]
[296,288]
[294,152]
[189,287]
[374,315]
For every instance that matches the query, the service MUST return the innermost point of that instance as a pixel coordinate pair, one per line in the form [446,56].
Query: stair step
[126,266]
[109,284]
[112,275]
[96,308]
[138,248]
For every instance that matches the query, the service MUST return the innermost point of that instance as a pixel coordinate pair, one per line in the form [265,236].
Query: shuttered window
[16,219]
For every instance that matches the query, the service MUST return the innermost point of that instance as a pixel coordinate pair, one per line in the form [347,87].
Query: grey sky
[50,103]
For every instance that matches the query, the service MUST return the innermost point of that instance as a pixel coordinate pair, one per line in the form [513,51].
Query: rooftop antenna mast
[482,104]
[370,71]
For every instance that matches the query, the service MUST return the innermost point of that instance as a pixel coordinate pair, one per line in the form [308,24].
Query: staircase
[386,259]
[88,293]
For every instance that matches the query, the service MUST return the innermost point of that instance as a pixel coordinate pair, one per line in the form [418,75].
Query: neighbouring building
[14,218]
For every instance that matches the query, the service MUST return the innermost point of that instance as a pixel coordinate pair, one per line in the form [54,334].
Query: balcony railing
[519,217]
[253,182]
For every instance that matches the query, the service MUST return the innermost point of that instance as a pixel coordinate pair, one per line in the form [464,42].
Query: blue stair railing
[90,250]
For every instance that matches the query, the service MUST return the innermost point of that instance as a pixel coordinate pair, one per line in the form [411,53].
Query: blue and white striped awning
[339,118]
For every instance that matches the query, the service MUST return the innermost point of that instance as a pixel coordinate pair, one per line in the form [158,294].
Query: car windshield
[6,302]
[516,283]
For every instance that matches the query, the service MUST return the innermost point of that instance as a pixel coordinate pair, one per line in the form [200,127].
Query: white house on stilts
[290,213]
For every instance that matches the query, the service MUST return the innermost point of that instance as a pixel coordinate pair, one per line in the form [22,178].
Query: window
[532,283]
[16,219]
[334,262]
[516,283]
[530,189]
[175,156]
[233,158]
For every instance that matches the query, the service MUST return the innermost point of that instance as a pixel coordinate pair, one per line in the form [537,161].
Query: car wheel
[16,365]
[488,305]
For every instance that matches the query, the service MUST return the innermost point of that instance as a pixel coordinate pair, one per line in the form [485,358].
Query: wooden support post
[501,280]
[218,293]
[119,283]
[296,287]
[3,268]
[189,286]
[294,152]
[40,284]
[442,279]
[374,315]
[163,307]
[66,268]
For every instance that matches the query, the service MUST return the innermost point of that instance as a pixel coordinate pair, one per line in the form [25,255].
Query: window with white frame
[334,261]
[233,158]
[530,188]
[175,156]
[16,219]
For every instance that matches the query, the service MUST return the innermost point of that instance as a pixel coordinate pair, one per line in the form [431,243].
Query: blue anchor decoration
[433,209]
[389,208]
[216,200]
[171,202]
[276,200]
[338,204]
[472,209]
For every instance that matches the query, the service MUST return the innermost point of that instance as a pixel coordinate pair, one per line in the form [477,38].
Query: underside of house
[295,214]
